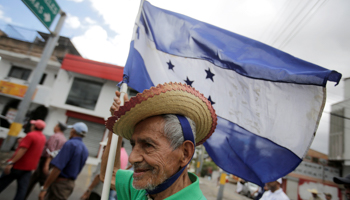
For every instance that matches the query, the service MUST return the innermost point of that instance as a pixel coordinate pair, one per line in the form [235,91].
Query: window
[314,160]
[132,92]
[43,77]
[20,73]
[84,93]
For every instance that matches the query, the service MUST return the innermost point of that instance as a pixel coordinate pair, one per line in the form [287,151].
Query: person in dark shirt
[66,165]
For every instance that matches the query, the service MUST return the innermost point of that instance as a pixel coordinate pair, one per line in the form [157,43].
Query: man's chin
[143,186]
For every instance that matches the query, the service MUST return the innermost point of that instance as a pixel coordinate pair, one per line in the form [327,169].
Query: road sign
[44,10]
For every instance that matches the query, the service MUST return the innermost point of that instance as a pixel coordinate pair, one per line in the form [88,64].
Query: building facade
[339,133]
[71,89]
[314,172]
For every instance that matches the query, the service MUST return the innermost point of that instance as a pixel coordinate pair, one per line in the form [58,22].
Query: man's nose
[135,155]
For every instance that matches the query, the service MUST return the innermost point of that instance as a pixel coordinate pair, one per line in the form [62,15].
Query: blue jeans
[22,178]
[112,195]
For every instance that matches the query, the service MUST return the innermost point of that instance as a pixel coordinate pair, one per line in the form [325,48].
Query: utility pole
[17,125]
[200,161]
[222,186]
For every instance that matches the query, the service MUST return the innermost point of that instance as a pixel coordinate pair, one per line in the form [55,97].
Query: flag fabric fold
[268,102]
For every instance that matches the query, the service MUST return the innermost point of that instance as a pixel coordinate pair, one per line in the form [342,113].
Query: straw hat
[314,191]
[169,98]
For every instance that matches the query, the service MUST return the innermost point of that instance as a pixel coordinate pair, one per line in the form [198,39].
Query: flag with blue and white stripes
[268,102]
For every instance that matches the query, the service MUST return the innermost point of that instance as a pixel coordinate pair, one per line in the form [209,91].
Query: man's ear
[188,151]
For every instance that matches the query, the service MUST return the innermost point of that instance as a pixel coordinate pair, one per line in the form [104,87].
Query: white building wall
[106,99]
[62,87]
[347,137]
[55,115]
[292,187]
[4,68]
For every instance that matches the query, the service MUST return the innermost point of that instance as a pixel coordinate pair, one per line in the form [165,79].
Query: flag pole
[114,140]
[112,152]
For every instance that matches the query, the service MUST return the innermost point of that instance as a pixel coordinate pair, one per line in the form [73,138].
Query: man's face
[153,159]
[71,133]
[56,129]
[347,191]
[273,186]
[328,197]
[32,127]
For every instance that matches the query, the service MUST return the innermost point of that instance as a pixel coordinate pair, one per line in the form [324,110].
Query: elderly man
[346,182]
[67,165]
[275,191]
[163,125]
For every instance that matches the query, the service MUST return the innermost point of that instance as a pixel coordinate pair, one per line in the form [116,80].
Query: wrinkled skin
[152,156]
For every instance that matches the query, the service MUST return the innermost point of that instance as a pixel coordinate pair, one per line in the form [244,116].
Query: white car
[250,188]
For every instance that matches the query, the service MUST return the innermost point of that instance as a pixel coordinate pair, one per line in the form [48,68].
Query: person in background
[240,184]
[54,143]
[260,191]
[275,191]
[66,166]
[328,196]
[346,182]
[314,194]
[26,159]
[94,191]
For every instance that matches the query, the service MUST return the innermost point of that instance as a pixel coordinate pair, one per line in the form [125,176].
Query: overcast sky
[317,31]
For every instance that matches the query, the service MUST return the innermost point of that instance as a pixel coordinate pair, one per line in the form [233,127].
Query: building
[314,172]
[339,133]
[71,89]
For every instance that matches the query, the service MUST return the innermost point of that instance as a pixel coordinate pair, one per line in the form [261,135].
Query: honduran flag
[268,102]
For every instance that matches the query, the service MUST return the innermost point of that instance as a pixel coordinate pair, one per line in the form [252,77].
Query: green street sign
[44,10]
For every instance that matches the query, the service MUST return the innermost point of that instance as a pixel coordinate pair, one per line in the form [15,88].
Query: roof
[63,42]
[93,68]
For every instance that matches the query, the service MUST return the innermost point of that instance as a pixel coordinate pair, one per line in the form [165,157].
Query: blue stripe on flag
[135,68]
[238,151]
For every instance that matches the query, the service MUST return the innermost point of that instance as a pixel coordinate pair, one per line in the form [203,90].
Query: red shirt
[34,142]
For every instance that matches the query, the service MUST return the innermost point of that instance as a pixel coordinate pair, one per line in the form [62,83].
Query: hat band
[188,135]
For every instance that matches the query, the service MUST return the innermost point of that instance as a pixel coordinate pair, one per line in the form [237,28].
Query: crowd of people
[163,135]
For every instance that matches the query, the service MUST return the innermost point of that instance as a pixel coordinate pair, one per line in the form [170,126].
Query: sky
[317,31]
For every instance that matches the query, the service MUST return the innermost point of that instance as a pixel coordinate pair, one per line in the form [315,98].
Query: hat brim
[172,98]
[340,180]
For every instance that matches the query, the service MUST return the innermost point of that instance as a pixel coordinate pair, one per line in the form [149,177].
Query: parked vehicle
[249,189]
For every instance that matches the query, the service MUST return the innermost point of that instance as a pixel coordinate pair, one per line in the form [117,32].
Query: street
[208,187]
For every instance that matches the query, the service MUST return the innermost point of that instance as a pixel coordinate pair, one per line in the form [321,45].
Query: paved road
[208,187]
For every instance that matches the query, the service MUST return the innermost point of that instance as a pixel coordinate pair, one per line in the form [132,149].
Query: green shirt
[125,191]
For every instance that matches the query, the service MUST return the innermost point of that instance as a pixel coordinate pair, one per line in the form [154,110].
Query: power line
[307,17]
[293,20]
